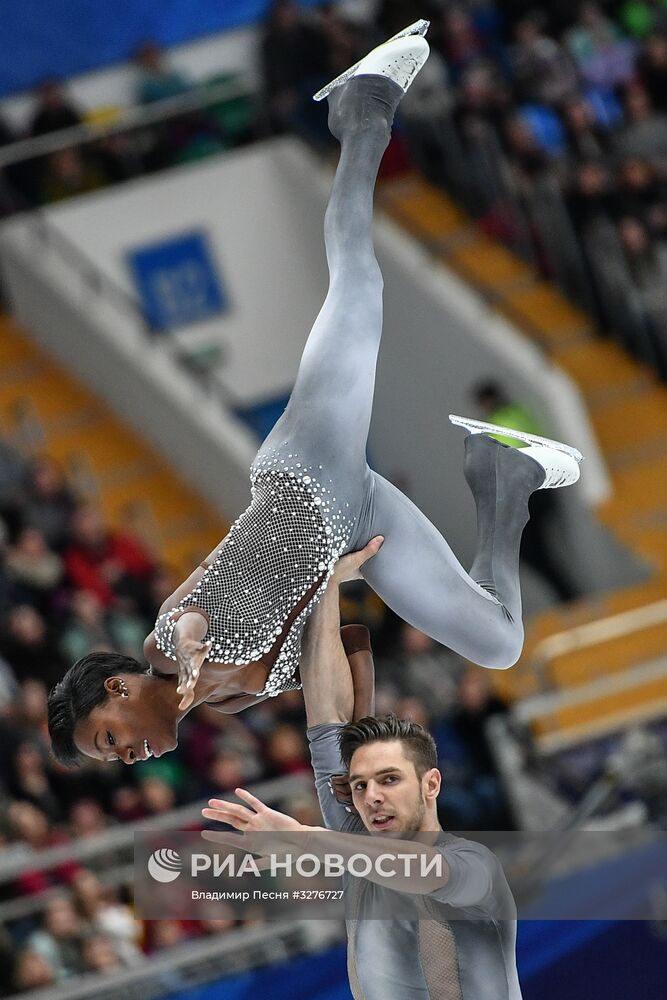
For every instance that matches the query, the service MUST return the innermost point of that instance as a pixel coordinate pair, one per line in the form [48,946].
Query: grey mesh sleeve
[325,758]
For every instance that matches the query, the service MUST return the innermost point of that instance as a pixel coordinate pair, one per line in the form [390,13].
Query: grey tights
[328,417]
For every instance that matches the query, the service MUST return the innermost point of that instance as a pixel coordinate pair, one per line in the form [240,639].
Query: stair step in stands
[44,410]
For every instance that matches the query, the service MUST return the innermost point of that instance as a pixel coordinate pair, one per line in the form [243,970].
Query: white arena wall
[262,210]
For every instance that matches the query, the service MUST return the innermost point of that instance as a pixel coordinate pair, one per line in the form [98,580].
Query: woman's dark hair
[77,694]
[419,745]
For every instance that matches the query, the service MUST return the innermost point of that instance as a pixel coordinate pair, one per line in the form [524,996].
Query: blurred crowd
[119,155]
[69,585]
[547,122]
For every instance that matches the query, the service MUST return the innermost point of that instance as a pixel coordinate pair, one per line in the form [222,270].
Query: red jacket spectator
[108,564]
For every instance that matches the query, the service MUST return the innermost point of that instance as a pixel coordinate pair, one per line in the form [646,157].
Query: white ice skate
[560,461]
[400,58]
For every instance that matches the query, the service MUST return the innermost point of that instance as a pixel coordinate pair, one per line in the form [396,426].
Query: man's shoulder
[476,878]
[456,845]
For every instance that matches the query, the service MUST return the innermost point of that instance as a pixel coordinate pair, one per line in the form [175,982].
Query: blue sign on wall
[177,281]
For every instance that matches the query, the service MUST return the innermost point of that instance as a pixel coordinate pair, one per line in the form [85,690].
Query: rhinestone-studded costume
[304,515]
[289,538]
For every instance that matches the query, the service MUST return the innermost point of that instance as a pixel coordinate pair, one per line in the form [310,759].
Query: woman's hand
[190,655]
[349,566]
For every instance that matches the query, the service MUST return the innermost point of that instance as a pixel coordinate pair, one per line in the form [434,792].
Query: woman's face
[138,719]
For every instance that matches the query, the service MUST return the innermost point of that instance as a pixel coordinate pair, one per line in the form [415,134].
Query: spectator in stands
[128,805]
[652,71]
[29,780]
[32,971]
[294,56]
[646,259]
[98,954]
[30,826]
[646,262]
[210,733]
[343,44]
[156,79]
[543,71]
[482,96]
[31,710]
[585,138]
[645,134]
[158,796]
[187,133]
[8,685]
[90,627]
[60,938]
[637,17]
[49,503]
[473,797]
[227,770]
[162,934]
[87,819]
[210,927]
[34,570]
[54,110]
[87,628]
[640,193]
[6,133]
[304,808]
[529,158]
[7,136]
[163,583]
[28,646]
[422,667]
[393,15]
[68,173]
[604,56]
[285,751]
[103,912]
[6,594]
[15,180]
[462,44]
[113,566]
[12,468]
[591,195]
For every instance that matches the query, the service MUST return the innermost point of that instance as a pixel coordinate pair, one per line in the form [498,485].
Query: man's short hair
[77,694]
[418,744]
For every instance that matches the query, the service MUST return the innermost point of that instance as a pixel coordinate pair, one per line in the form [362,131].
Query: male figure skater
[455,934]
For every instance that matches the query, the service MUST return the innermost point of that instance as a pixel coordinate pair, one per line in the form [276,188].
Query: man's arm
[329,688]
[460,874]
[337,664]
[328,691]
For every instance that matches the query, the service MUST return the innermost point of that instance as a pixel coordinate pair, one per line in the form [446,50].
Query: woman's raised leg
[329,411]
[416,573]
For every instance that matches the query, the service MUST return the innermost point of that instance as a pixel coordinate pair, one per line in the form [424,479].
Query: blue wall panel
[317,977]
[558,960]
[44,38]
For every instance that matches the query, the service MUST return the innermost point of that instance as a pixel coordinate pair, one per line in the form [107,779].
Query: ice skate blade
[481,427]
[418,28]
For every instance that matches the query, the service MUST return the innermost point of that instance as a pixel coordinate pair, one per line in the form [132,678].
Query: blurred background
[163,177]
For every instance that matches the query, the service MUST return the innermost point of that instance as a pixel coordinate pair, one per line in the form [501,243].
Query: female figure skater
[230,635]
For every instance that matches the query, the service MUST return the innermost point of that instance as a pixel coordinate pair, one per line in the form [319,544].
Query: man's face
[388,794]
[133,723]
